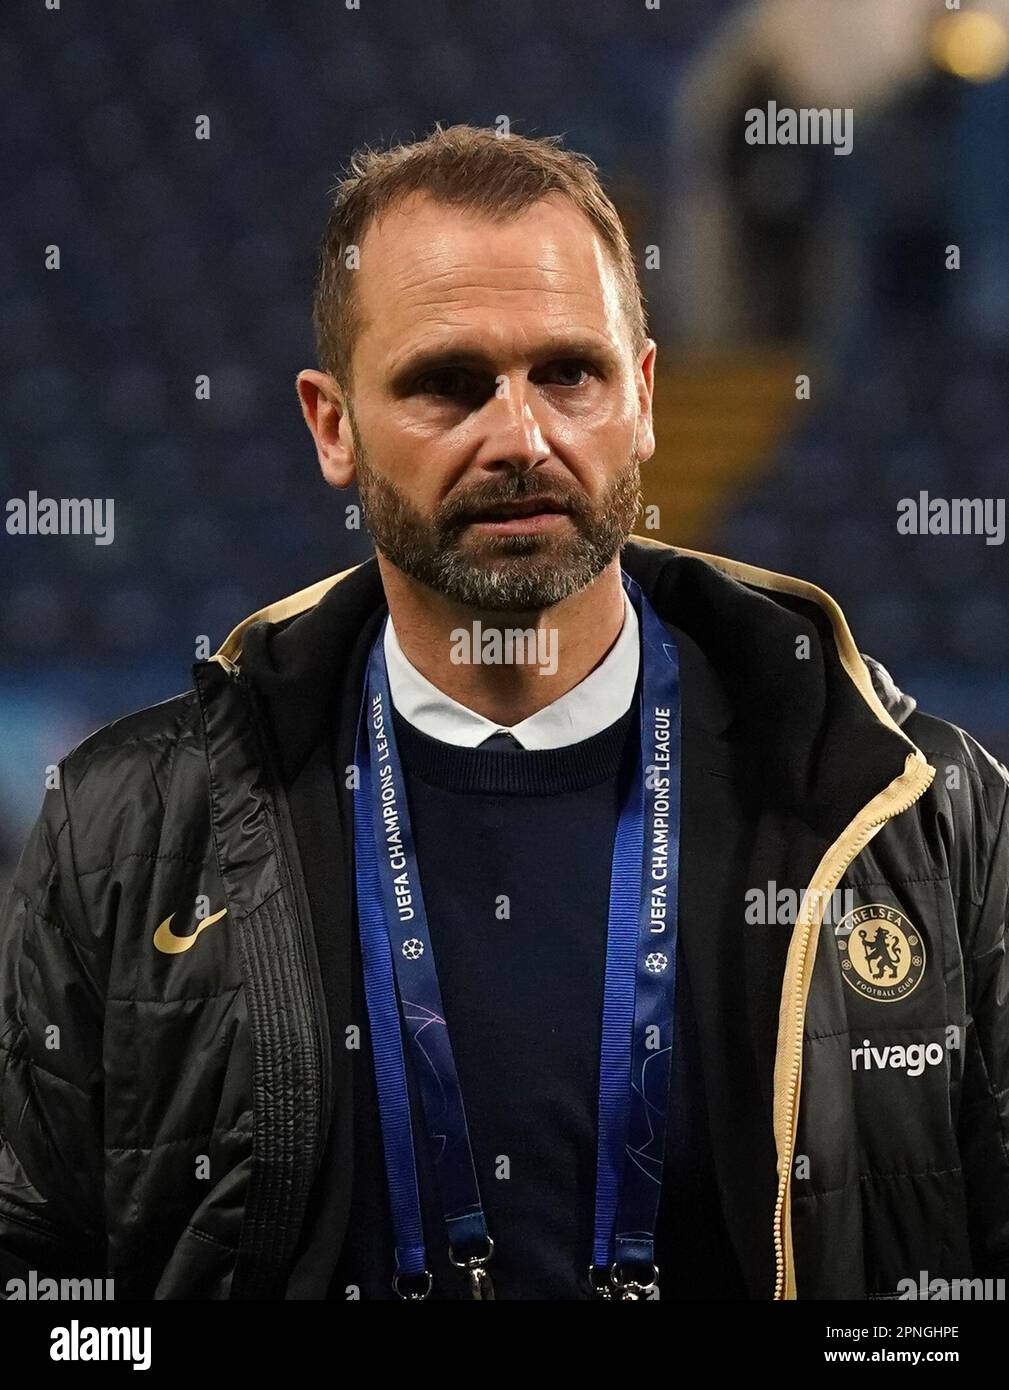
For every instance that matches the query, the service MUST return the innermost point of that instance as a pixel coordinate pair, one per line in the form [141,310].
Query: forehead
[430,272]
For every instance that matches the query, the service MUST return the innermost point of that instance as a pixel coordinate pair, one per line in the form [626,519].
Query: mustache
[457,510]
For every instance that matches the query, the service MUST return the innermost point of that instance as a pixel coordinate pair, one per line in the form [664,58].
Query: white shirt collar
[591,706]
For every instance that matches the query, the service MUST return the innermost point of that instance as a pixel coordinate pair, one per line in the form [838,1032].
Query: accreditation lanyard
[401,983]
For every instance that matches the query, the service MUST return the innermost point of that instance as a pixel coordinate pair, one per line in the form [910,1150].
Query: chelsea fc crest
[882,955]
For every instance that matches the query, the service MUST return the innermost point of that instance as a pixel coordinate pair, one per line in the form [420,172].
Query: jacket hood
[769,660]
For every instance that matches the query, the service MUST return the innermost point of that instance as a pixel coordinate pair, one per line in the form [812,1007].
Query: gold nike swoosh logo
[166,940]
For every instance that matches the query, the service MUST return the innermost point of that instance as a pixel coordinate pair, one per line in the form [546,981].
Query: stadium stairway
[719,421]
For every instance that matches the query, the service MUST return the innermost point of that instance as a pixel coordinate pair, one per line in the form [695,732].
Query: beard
[501,573]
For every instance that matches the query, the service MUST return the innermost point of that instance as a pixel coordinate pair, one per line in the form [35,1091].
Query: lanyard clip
[626,1288]
[480,1285]
[413,1288]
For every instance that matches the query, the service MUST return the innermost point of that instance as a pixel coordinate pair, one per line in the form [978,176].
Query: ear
[644,437]
[324,407]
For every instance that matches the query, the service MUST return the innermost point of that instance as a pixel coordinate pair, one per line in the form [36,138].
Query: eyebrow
[464,354]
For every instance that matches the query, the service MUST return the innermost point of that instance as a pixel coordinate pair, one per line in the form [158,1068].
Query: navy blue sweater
[514,851]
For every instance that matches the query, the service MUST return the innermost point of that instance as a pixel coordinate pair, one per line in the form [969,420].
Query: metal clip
[417,1294]
[481,1286]
[632,1289]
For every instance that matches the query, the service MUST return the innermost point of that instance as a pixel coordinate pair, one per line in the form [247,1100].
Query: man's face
[497,413]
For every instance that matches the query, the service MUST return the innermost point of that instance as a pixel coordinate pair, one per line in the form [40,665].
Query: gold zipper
[916,778]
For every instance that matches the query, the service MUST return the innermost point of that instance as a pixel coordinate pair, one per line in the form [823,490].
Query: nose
[512,437]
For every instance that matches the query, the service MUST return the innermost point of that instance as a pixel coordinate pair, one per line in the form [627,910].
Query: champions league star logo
[656,962]
[413,949]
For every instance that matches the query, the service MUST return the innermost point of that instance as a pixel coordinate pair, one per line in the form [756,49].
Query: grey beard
[512,573]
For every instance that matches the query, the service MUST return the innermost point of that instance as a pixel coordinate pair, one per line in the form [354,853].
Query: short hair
[460,166]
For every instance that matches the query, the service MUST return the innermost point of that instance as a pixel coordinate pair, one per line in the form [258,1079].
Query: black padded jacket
[168,1081]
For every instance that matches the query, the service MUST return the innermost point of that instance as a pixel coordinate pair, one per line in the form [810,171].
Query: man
[431,945]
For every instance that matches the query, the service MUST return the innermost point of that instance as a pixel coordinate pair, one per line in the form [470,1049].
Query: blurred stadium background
[181,256]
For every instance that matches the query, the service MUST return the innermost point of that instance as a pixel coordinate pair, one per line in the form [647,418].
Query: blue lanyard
[401,982]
